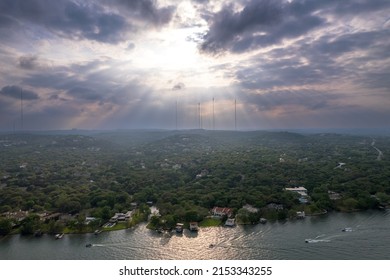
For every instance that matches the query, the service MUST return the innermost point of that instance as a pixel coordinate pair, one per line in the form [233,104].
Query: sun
[170,50]
[170,55]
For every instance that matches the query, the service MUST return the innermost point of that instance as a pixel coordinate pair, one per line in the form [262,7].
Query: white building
[300,190]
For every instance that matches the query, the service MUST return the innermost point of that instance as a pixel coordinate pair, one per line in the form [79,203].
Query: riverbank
[274,240]
[205,223]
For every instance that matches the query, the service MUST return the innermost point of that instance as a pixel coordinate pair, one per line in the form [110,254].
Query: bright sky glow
[125,64]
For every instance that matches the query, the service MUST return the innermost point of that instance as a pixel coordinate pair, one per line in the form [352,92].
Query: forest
[184,174]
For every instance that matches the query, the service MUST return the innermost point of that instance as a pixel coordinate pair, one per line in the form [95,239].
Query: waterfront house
[18,215]
[334,195]
[50,216]
[121,217]
[300,190]
[303,200]
[275,206]
[222,211]
[250,208]
[89,220]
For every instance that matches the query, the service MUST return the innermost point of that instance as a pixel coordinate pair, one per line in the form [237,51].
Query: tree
[55,227]
[350,203]
[105,213]
[30,224]
[191,216]
[154,222]
[80,222]
[383,197]
[5,226]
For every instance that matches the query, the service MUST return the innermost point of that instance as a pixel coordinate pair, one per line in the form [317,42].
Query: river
[368,240]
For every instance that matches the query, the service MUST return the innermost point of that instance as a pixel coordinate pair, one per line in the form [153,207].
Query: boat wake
[98,245]
[317,239]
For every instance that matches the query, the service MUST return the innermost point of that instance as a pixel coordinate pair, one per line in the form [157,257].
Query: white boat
[347,229]
[263,220]
[59,235]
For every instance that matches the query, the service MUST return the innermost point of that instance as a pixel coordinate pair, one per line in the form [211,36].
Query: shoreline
[102,230]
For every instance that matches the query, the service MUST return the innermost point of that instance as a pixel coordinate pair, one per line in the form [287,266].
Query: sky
[211,64]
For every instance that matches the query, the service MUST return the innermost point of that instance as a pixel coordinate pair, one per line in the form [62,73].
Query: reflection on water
[366,240]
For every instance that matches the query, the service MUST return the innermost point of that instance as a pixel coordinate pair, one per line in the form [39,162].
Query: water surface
[369,239]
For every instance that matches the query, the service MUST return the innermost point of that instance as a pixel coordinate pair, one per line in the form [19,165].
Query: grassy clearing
[118,226]
[210,222]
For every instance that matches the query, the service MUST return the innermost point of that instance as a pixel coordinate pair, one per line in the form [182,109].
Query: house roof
[297,189]
[222,210]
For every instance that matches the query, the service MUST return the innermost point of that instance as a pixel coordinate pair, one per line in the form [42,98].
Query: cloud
[178,86]
[258,24]
[68,19]
[308,99]
[200,1]
[147,11]
[16,92]
[291,61]
[227,25]
[84,93]
[28,62]
[262,23]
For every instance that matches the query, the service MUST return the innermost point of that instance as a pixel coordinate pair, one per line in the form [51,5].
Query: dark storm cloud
[92,20]
[355,41]
[68,19]
[279,68]
[366,54]
[82,83]
[28,62]
[16,92]
[84,93]
[262,23]
[378,80]
[7,21]
[59,79]
[354,57]
[309,99]
[345,7]
[229,28]
[146,10]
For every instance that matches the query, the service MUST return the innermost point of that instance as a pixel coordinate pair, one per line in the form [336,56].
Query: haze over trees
[186,173]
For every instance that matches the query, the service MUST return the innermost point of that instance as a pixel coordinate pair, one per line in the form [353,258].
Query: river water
[369,239]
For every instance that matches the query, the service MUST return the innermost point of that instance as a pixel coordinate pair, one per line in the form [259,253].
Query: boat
[179,228]
[263,220]
[347,229]
[194,226]
[97,232]
[59,235]
[230,223]
[88,245]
